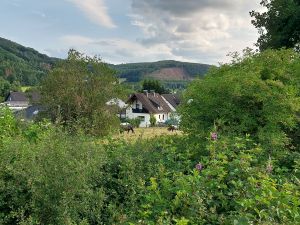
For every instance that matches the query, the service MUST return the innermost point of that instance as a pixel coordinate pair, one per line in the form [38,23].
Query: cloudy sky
[122,31]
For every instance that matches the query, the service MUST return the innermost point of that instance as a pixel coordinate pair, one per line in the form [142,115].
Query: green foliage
[216,174]
[256,95]
[76,91]
[152,120]
[8,124]
[6,87]
[48,176]
[174,119]
[23,65]
[134,122]
[279,26]
[153,85]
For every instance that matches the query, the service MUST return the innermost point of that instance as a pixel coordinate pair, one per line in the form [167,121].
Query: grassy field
[146,133]
[25,88]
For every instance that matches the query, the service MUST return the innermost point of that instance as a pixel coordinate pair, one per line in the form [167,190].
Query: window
[163,117]
[158,116]
[137,106]
[142,118]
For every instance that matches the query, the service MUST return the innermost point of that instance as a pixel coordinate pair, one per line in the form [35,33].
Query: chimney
[152,92]
[145,92]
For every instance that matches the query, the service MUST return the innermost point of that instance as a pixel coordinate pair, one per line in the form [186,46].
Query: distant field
[147,133]
[25,88]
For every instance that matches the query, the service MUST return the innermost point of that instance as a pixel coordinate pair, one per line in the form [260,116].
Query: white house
[143,105]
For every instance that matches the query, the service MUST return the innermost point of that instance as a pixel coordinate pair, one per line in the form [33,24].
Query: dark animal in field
[127,128]
[172,128]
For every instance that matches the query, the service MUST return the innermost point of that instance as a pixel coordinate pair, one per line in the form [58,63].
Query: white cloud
[116,50]
[96,11]
[200,30]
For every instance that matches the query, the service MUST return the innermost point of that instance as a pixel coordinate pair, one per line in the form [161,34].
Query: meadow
[147,134]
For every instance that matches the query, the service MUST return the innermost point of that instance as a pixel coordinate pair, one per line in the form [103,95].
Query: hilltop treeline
[135,72]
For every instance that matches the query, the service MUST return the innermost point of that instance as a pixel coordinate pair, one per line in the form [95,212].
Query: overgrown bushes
[225,171]
[48,176]
[257,94]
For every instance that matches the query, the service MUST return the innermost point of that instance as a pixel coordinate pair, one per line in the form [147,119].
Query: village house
[23,104]
[143,105]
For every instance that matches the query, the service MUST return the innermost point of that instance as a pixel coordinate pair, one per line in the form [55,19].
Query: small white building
[143,105]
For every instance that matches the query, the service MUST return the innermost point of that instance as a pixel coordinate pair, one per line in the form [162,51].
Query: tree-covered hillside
[135,72]
[27,66]
[22,64]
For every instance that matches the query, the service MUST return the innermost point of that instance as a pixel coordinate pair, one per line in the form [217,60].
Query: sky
[125,31]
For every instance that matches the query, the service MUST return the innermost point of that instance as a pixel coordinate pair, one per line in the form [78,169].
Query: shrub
[257,95]
[152,120]
[134,122]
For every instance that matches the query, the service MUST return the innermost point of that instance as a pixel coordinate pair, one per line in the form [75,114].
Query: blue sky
[122,31]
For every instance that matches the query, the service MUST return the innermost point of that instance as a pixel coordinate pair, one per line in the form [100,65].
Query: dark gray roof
[173,99]
[23,97]
[152,102]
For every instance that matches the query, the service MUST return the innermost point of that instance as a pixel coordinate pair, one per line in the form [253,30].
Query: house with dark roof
[173,100]
[23,104]
[21,100]
[143,105]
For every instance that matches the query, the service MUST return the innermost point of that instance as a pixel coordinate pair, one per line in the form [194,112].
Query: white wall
[145,123]
[162,117]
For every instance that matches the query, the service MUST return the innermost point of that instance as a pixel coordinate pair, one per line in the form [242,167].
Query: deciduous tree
[76,91]
[279,26]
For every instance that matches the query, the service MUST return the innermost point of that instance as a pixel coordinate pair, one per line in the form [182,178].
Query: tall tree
[154,85]
[76,91]
[279,26]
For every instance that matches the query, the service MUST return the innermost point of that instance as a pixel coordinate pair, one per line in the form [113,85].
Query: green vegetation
[152,120]
[153,85]
[237,163]
[75,94]
[6,87]
[279,26]
[256,95]
[135,72]
[23,65]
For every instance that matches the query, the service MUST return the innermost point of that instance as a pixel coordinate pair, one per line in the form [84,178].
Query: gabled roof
[173,99]
[23,97]
[152,102]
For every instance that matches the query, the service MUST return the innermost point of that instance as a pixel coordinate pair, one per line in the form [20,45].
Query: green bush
[152,120]
[257,94]
[134,122]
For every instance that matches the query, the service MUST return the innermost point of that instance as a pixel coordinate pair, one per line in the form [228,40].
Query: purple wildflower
[199,167]
[214,136]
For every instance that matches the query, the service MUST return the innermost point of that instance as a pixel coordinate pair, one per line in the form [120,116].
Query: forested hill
[27,66]
[22,64]
[162,70]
